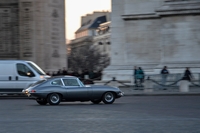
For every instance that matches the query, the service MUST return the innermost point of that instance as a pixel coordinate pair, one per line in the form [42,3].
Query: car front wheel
[54,99]
[108,98]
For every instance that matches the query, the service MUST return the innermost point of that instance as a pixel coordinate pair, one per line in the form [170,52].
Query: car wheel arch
[115,94]
[55,93]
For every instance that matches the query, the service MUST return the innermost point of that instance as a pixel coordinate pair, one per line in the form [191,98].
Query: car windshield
[80,82]
[36,68]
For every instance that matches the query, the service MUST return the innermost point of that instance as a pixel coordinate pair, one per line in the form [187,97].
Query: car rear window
[38,82]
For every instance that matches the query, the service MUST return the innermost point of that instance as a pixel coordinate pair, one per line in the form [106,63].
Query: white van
[15,75]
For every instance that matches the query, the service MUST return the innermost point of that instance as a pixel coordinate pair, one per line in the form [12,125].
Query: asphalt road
[130,114]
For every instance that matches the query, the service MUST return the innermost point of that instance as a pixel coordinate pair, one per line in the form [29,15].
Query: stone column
[9,29]
[27,32]
[42,33]
[152,34]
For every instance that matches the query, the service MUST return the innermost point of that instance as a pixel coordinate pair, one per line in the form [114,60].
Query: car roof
[55,77]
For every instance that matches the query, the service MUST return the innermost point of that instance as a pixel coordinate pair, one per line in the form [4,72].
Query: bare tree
[87,57]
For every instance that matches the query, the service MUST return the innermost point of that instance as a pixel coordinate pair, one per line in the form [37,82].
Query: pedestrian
[187,75]
[76,74]
[134,74]
[91,74]
[64,71]
[59,72]
[54,73]
[164,72]
[139,77]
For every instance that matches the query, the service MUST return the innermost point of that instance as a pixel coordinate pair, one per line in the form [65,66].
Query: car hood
[101,86]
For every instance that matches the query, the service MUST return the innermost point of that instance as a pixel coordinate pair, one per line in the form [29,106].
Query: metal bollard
[148,85]
[184,86]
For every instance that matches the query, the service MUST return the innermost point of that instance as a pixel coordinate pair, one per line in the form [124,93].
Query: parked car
[69,88]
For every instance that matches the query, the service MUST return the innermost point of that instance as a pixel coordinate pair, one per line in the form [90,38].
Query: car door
[74,91]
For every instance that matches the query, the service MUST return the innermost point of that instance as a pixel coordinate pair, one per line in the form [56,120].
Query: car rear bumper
[32,95]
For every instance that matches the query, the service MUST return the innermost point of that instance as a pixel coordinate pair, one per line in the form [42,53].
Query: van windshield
[36,68]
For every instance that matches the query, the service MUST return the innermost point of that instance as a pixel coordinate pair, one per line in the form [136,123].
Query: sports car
[68,89]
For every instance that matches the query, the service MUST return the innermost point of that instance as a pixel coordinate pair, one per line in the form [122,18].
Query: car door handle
[10,78]
[16,78]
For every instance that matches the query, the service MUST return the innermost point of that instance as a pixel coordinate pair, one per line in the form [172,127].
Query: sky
[77,8]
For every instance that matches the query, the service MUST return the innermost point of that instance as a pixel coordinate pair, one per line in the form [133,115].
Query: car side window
[23,70]
[57,82]
[71,82]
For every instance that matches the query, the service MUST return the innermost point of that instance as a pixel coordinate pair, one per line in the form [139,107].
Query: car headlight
[121,93]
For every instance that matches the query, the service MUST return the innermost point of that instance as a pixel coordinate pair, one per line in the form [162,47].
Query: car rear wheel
[108,98]
[54,99]
[96,101]
[42,102]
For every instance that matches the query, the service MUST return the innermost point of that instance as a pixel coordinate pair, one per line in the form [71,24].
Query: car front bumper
[120,94]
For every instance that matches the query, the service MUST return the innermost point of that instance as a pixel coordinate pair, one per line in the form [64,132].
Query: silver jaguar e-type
[69,88]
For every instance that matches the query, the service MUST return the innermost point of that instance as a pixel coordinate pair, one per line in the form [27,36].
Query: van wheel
[42,102]
[54,99]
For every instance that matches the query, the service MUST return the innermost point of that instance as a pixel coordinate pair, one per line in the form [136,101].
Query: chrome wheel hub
[109,97]
[54,98]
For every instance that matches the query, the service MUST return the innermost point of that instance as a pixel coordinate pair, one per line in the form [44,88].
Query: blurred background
[104,38]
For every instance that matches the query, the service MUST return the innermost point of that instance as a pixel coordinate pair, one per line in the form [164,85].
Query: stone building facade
[83,48]
[89,24]
[33,30]
[152,34]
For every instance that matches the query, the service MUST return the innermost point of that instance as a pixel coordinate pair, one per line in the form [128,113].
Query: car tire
[42,102]
[54,99]
[96,101]
[108,97]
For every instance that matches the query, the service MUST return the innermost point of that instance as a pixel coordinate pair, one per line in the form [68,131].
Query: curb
[131,91]
[163,94]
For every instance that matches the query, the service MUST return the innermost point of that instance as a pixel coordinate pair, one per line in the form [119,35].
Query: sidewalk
[137,91]
[152,89]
